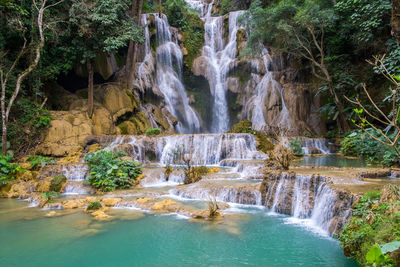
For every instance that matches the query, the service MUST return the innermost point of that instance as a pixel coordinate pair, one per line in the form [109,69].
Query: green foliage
[181,16]
[38,162]
[50,196]
[373,222]
[57,182]
[8,170]
[108,171]
[95,205]
[243,126]
[295,146]
[153,131]
[357,143]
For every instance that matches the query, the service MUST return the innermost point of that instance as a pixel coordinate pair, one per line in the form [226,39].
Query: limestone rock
[101,215]
[110,202]
[73,204]
[165,205]
[43,185]
[21,190]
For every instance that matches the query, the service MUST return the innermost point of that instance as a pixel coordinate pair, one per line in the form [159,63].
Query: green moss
[124,128]
[244,126]
[57,182]
[153,131]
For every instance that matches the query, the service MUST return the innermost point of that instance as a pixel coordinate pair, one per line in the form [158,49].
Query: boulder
[21,190]
[110,201]
[43,185]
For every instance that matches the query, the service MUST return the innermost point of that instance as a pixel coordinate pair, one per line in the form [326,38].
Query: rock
[165,205]
[21,190]
[110,202]
[101,215]
[73,204]
[51,214]
[115,99]
[25,176]
[143,200]
[200,66]
[94,148]
[105,64]
[26,165]
[390,194]
[128,128]
[43,186]
[376,174]
[233,84]
[313,151]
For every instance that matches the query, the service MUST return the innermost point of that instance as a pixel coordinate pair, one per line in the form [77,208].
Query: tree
[133,46]
[30,44]
[101,25]
[396,19]
[386,124]
[299,28]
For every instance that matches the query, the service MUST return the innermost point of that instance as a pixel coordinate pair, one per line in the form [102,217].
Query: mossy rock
[57,182]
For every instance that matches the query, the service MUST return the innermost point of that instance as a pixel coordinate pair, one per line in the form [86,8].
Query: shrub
[153,131]
[108,171]
[50,196]
[95,205]
[374,221]
[358,143]
[38,162]
[243,126]
[295,146]
[8,170]
[57,182]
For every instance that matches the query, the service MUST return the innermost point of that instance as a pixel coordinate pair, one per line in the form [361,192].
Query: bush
[108,171]
[358,143]
[8,170]
[153,131]
[374,221]
[57,182]
[95,205]
[295,146]
[243,126]
[38,162]
[50,196]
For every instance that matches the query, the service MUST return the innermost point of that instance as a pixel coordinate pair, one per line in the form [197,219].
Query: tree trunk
[396,19]
[129,56]
[90,88]
[160,8]
[133,55]
[4,138]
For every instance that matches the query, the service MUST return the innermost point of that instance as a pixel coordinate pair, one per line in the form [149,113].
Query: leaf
[397,77]
[390,247]
[375,255]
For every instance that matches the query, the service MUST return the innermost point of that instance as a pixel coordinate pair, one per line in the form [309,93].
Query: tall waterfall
[220,57]
[169,71]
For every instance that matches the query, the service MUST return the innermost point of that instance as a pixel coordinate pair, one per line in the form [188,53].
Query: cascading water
[308,198]
[220,59]
[169,68]
[255,107]
[201,149]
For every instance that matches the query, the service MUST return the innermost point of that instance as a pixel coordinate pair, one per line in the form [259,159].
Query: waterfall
[220,59]
[169,70]
[240,194]
[201,149]
[255,108]
[310,199]
[146,67]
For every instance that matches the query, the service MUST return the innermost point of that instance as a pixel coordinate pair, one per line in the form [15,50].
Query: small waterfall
[201,149]
[246,195]
[169,69]
[255,107]
[308,198]
[310,144]
[75,172]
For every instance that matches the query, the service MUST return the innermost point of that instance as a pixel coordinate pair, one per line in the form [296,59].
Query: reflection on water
[332,161]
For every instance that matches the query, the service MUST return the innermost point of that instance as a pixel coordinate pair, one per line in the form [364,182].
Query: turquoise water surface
[252,238]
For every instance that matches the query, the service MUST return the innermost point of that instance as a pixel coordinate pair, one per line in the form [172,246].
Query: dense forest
[291,74]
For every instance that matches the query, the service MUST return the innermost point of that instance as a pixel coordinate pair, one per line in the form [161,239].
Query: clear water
[254,239]
[332,161]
